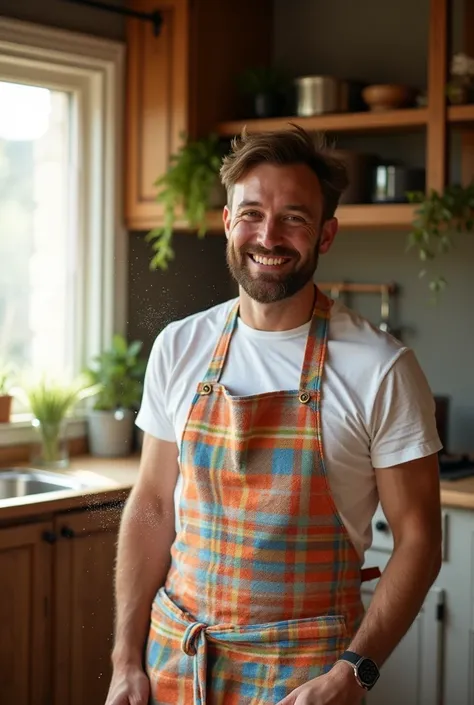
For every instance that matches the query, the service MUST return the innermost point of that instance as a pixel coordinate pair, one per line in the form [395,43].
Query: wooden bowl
[388,96]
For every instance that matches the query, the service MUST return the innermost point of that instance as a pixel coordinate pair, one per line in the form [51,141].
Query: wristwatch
[365,670]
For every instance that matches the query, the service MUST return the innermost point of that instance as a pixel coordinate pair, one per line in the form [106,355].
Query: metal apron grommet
[206,388]
[304,397]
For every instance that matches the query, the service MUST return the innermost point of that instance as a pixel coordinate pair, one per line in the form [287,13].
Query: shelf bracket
[154,17]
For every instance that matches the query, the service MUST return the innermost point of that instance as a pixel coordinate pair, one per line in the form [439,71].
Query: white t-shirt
[377,409]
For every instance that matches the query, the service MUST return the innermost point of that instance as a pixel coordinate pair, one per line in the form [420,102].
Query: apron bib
[263,592]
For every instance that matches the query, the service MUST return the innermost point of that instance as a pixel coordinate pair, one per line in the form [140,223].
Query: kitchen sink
[22,482]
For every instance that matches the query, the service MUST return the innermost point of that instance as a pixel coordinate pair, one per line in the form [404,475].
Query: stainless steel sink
[22,482]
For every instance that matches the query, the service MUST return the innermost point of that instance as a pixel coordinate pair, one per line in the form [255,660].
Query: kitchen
[390,45]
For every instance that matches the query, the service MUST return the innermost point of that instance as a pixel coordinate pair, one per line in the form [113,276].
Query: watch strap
[350,656]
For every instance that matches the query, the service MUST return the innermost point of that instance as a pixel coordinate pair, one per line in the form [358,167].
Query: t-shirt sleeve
[152,416]
[403,423]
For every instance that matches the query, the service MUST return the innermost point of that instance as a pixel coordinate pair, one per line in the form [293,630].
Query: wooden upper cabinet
[183,81]
[157,103]
[25,607]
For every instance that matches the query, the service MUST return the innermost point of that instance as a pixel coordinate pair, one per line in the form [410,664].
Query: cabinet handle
[49,536]
[382,526]
[67,533]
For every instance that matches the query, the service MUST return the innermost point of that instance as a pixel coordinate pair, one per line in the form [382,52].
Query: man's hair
[285,147]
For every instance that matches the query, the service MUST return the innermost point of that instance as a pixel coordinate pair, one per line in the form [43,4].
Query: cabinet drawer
[382,537]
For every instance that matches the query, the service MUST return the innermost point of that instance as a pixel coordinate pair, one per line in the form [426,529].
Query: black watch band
[365,670]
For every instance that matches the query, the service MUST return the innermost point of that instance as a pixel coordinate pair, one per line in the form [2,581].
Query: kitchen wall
[387,42]
[195,280]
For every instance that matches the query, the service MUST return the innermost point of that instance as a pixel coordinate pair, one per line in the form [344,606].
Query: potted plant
[51,402]
[120,373]
[437,219]
[265,86]
[6,382]
[188,189]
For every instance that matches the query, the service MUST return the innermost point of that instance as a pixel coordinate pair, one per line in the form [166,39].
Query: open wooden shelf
[461,113]
[376,215]
[371,215]
[340,122]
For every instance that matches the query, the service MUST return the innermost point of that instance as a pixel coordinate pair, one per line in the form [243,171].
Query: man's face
[274,231]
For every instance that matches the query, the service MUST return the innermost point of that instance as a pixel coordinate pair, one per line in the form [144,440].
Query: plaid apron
[263,591]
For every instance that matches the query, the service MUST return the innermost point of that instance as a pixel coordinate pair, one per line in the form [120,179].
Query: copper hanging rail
[155,17]
[389,288]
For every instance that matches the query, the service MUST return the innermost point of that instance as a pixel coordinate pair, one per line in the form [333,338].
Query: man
[286,418]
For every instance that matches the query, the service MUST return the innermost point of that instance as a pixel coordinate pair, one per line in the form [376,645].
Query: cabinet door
[84,605]
[25,569]
[413,673]
[156,104]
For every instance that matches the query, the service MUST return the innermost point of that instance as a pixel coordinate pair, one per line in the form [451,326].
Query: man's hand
[338,687]
[129,686]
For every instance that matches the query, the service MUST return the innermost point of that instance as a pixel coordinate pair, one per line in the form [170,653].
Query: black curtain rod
[154,17]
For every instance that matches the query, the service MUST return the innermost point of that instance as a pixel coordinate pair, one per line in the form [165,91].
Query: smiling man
[284,417]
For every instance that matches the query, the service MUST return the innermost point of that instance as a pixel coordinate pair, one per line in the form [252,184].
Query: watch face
[368,672]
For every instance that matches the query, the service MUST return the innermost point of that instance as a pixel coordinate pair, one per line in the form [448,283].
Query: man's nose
[269,234]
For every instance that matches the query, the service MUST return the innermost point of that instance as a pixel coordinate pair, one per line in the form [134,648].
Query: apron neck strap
[316,345]
[214,371]
[315,351]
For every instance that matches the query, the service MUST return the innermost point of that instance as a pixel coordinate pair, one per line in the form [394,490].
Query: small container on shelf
[391,182]
[390,96]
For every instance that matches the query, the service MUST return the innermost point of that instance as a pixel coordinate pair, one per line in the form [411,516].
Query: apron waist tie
[194,643]
[194,636]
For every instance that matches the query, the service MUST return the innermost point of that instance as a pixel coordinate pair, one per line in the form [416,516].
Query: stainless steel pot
[317,95]
[392,181]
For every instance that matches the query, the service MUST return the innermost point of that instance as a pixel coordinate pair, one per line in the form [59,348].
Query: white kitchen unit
[434,663]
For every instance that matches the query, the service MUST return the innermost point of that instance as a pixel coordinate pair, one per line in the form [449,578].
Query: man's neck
[282,315]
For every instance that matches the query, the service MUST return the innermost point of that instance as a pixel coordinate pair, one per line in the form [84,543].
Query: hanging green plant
[439,217]
[185,191]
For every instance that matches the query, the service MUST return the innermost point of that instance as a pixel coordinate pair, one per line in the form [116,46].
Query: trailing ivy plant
[438,218]
[184,190]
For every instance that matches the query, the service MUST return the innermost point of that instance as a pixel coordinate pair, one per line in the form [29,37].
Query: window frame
[93,70]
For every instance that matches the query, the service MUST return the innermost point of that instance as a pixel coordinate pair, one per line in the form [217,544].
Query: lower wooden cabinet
[25,594]
[83,606]
[57,609]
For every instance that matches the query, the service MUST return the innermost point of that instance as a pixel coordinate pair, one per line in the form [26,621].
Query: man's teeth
[271,261]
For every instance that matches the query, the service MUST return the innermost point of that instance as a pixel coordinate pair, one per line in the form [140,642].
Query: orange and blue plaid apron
[263,591]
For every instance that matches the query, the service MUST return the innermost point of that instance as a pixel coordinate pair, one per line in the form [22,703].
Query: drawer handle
[67,533]
[382,526]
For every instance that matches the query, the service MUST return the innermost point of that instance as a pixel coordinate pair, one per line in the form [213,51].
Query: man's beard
[274,286]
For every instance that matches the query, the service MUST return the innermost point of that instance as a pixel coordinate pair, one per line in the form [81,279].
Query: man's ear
[227,218]
[328,233]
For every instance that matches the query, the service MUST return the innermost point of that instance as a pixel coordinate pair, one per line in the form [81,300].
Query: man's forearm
[397,599]
[146,535]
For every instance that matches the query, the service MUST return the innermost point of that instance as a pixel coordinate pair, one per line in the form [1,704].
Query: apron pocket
[262,664]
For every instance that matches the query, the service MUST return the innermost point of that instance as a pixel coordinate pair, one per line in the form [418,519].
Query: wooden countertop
[458,493]
[108,480]
[113,478]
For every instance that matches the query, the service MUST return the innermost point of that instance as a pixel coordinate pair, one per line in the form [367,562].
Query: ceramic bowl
[388,96]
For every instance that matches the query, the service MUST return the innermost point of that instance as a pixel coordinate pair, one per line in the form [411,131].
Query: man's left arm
[410,497]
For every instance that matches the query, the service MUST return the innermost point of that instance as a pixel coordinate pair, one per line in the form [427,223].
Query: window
[62,241]
[38,238]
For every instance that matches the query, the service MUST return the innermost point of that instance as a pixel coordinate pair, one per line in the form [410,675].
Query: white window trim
[95,69]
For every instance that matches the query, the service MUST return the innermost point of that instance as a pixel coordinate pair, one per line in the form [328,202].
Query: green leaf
[185,189]
[438,217]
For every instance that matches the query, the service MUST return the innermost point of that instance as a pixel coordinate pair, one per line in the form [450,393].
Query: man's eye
[251,214]
[295,218]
